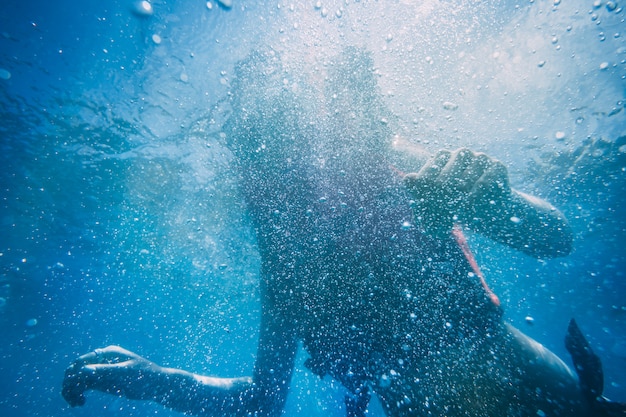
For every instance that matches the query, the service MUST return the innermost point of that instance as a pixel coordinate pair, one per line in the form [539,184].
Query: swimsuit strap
[462,242]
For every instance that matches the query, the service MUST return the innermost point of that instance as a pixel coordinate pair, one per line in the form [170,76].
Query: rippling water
[121,218]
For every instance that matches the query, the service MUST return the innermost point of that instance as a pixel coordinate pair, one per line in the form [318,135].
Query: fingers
[449,171]
[88,370]
[75,383]
[422,183]
[103,369]
[433,168]
[79,379]
[73,396]
[453,172]
[494,181]
[456,186]
[461,170]
[474,171]
[109,354]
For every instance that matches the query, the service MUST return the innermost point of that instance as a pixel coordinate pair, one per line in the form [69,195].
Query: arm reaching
[473,189]
[117,371]
[120,372]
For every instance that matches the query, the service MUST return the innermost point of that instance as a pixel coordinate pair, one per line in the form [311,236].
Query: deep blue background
[120,218]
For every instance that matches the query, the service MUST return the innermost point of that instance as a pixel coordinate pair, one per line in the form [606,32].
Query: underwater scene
[345,207]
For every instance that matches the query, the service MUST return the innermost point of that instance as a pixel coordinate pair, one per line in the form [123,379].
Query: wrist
[435,221]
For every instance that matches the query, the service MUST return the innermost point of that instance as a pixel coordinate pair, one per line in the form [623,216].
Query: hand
[456,186]
[114,370]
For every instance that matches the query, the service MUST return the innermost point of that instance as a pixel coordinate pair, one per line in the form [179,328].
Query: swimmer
[360,265]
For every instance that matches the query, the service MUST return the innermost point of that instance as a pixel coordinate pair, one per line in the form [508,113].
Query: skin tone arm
[117,371]
[120,372]
[473,189]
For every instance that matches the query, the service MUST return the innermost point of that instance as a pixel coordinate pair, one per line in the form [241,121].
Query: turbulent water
[121,217]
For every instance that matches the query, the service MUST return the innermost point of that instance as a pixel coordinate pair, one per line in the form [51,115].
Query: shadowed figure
[359,263]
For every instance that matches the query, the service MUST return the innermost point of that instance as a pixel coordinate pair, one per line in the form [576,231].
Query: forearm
[199,395]
[523,222]
[262,395]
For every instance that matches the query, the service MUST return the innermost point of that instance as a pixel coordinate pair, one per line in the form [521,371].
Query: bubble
[4,74]
[31,322]
[209,5]
[559,135]
[529,320]
[184,77]
[406,225]
[156,39]
[515,219]
[604,66]
[541,64]
[384,381]
[448,105]
[143,8]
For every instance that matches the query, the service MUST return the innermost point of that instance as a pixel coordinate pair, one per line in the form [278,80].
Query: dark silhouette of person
[359,263]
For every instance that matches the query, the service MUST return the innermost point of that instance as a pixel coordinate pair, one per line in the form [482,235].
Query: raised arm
[473,189]
[117,371]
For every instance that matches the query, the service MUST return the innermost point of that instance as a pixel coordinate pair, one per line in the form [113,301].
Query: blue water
[121,220]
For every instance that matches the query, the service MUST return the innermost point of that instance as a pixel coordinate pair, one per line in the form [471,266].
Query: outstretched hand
[117,371]
[113,369]
[456,186]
